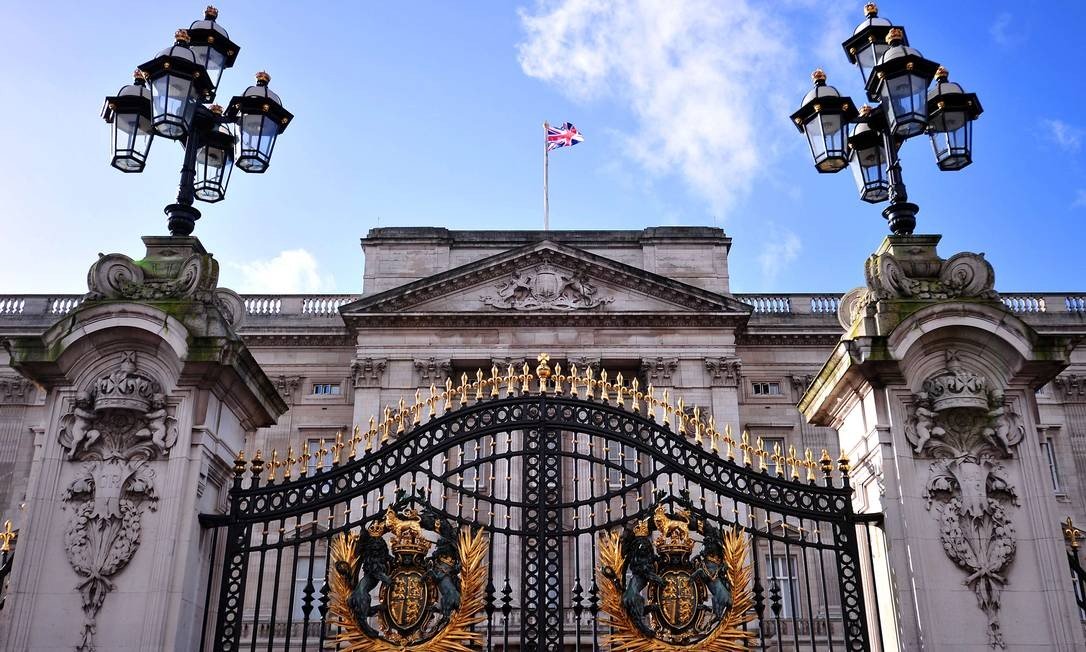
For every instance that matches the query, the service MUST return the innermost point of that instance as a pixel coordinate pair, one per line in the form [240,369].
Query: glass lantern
[823,119]
[260,117]
[214,162]
[212,47]
[129,114]
[868,160]
[178,83]
[900,81]
[868,42]
[950,125]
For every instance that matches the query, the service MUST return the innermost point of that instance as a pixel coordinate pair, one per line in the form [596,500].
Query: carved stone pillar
[932,393]
[433,371]
[150,394]
[725,376]
[658,371]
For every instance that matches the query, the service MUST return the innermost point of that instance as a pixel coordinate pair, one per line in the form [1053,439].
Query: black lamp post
[168,99]
[898,77]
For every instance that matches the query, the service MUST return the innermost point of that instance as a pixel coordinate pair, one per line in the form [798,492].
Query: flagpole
[546,174]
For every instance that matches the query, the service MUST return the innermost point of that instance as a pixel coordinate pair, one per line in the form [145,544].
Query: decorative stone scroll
[433,371]
[546,288]
[967,427]
[115,430]
[909,268]
[658,370]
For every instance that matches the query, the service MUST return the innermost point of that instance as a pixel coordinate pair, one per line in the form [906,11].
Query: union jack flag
[564,136]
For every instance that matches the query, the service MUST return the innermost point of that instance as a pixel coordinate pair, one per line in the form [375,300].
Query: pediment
[546,278]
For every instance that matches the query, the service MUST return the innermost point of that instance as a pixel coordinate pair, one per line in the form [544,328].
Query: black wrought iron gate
[544,468]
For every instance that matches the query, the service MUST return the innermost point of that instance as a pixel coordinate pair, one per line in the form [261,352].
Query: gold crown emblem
[410,545]
[677,544]
[641,528]
[182,36]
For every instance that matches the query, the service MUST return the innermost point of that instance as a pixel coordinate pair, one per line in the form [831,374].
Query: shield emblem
[546,284]
[407,598]
[677,599]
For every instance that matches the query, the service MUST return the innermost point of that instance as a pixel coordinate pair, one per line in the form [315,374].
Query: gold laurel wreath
[456,636]
[728,636]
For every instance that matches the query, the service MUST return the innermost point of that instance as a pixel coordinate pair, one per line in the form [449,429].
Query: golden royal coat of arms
[659,596]
[430,592]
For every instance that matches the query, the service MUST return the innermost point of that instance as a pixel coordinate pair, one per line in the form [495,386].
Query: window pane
[302,580]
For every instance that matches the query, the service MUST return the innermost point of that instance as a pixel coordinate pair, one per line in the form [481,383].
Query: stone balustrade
[27,308]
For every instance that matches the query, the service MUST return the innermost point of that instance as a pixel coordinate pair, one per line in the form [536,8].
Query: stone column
[725,376]
[367,378]
[150,394]
[932,392]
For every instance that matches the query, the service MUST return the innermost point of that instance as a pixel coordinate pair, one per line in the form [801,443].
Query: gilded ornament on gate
[430,591]
[659,596]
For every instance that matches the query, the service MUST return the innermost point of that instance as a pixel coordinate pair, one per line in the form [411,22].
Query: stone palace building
[654,305]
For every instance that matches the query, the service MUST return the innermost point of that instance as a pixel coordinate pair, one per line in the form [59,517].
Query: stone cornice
[502,265]
[563,319]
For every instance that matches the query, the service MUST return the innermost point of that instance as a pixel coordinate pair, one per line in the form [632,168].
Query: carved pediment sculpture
[546,287]
[968,428]
[115,430]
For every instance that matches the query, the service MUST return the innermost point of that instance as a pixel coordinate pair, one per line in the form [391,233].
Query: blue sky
[429,114]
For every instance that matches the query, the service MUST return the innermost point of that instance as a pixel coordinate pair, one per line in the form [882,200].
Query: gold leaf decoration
[456,636]
[728,636]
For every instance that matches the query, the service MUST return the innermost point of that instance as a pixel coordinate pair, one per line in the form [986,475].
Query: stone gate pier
[932,390]
[150,393]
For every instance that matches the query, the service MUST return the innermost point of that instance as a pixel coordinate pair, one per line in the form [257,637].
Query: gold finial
[463,389]
[448,394]
[762,454]
[304,458]
[697,425]
[843,465]
[273,465]
[826,463]
[818,76]
[8,536]
[478,384]
[181,36]
[573,379]
[604,386]
[289,462]
[257,465]
[1071,533]
[650,402]
[589,383]
[665,407]
[239,463]
[263,78]
[543,370]
[322,454]
[942,74]
[386,426]
[524,378]
[729,441]
[793,462]
[338,448]
[746,448]
[865,110]
[211,13]
[416,409]
[809,462]
[896,34]
[778,459]
[620,391]
[401,418]
[371,435]
[139,77]
[495,381]
[511,378]
[635,396]
[871,10]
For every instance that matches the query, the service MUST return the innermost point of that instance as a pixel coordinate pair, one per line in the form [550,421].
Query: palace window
[315,460]
[326,389]
[1049,449]
[310,569]
[782,573]
[766,389]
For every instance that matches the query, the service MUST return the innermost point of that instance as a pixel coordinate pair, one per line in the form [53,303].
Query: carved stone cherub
[80,431]
[158,424]
[998,430]
[924,426]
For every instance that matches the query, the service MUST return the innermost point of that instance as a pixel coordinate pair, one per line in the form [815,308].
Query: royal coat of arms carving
[430,590]
[659,596]
[546,288]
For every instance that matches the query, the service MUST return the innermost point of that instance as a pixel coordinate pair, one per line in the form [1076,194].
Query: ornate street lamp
[898,77]
[180,81]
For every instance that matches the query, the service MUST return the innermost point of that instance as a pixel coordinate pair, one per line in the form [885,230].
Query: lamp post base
[181,219]
[901,217]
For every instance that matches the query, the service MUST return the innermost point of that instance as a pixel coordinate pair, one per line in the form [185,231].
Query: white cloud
[1000,30]
[701,77]
[1068,137]
[778,253]
[294,271]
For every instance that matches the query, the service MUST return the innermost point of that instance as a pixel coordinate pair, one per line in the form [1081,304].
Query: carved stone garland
[967,428]
[114,430]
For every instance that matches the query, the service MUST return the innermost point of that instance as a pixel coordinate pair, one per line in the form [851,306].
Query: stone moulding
[962,423]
